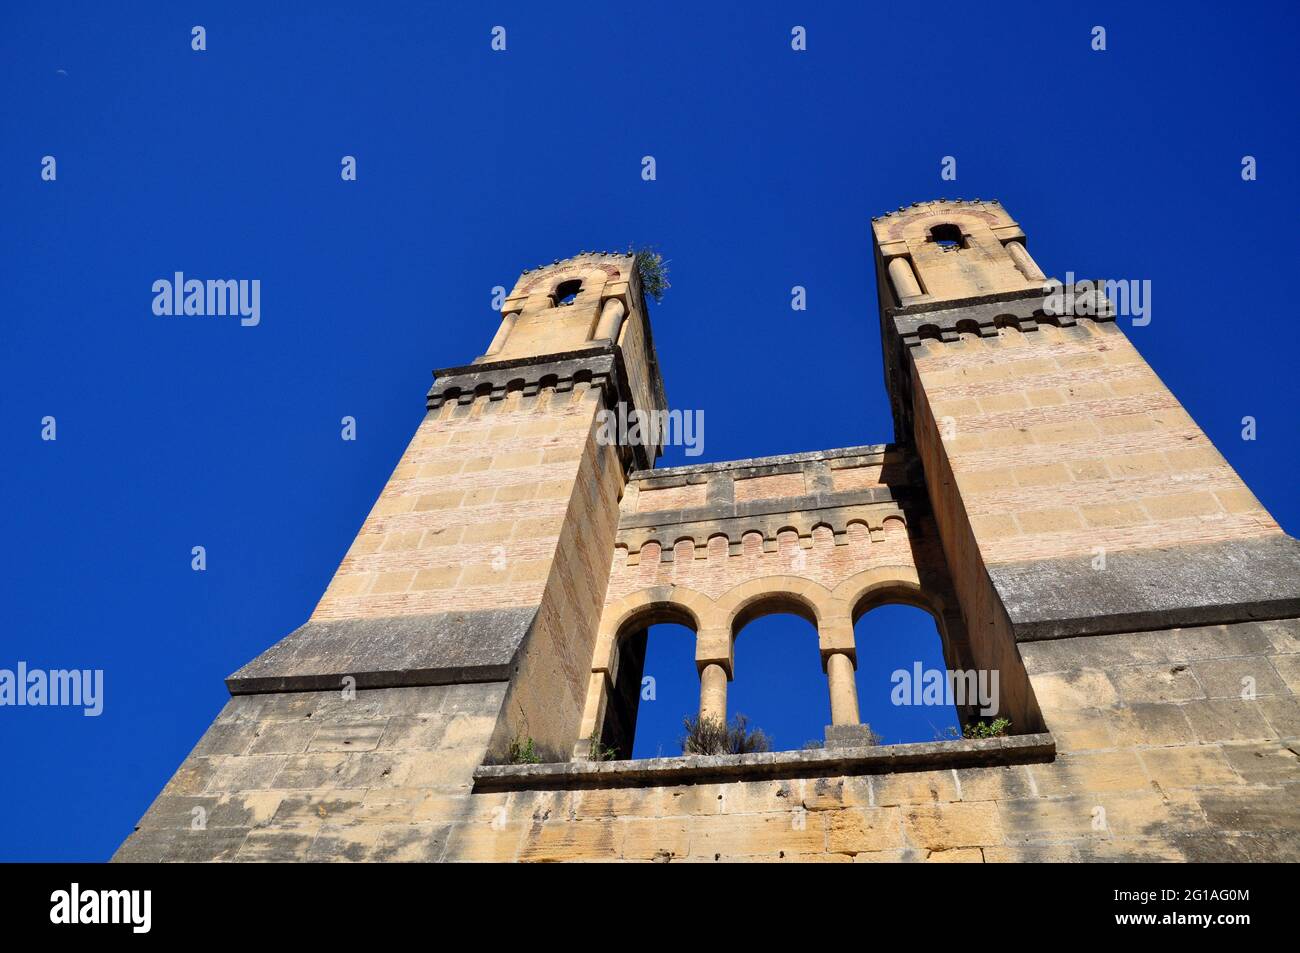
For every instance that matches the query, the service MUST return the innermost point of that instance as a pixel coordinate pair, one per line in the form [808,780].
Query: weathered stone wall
[1188,739]
[644,383]
[1159,757]
[317,776]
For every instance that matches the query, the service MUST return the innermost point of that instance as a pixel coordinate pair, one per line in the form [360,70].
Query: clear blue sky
[473,165]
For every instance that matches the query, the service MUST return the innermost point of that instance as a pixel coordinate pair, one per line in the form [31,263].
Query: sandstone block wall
[473,512]
[1159,758]
[1063,440]
[552,671]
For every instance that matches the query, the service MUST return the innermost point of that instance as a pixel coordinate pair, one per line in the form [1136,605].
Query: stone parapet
[925,756]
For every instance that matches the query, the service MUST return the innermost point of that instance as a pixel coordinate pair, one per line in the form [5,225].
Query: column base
[851,736]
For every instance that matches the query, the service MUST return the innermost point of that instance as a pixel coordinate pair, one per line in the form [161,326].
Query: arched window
[668,690]
[566,291]
[947,236]
[779,685]
[902,676]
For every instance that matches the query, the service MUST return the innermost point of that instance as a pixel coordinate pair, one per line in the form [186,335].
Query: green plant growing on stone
[714,736]
[996,728]
[653,270]
[523,752]
[599,752]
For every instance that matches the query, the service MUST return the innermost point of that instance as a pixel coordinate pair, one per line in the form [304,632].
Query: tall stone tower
[479,653]
[466,609]
[1070,486]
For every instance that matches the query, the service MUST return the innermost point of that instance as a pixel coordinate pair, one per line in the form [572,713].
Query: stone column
[1028,267]
[844,689]
[611,320]
[713,693]
[503,332]
[905,283]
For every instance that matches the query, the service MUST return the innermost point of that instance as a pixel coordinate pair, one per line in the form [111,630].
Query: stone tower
[1045,498]
[1051,448]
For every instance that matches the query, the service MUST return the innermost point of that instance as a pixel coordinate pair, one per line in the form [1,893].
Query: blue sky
[473,165]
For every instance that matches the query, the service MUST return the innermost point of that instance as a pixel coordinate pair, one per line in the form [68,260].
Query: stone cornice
[602,367]
[871,454]
[985,316]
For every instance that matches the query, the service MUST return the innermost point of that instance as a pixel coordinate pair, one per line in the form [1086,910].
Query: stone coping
[780,460]
[884,759]
[440,648]
[776,506]
[1236,580]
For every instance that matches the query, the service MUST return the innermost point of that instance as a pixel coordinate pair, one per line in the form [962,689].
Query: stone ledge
[775,506]
[1175,586]
[885,759]
[390,652]
[764,466]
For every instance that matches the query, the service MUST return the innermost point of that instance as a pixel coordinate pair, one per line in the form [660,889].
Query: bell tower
[579,303]
[485,557]
[464,615]
[1073,492]
[949,251]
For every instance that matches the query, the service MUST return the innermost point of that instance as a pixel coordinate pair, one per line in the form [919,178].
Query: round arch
[863,591]
[859,594]
[645,607]
[750,600]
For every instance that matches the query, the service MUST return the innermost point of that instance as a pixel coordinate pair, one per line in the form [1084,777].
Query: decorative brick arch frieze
[881,520]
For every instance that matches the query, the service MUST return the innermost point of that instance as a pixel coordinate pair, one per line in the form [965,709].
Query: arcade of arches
[826,537]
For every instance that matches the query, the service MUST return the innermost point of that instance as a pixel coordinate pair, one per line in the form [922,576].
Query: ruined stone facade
[1046,499]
